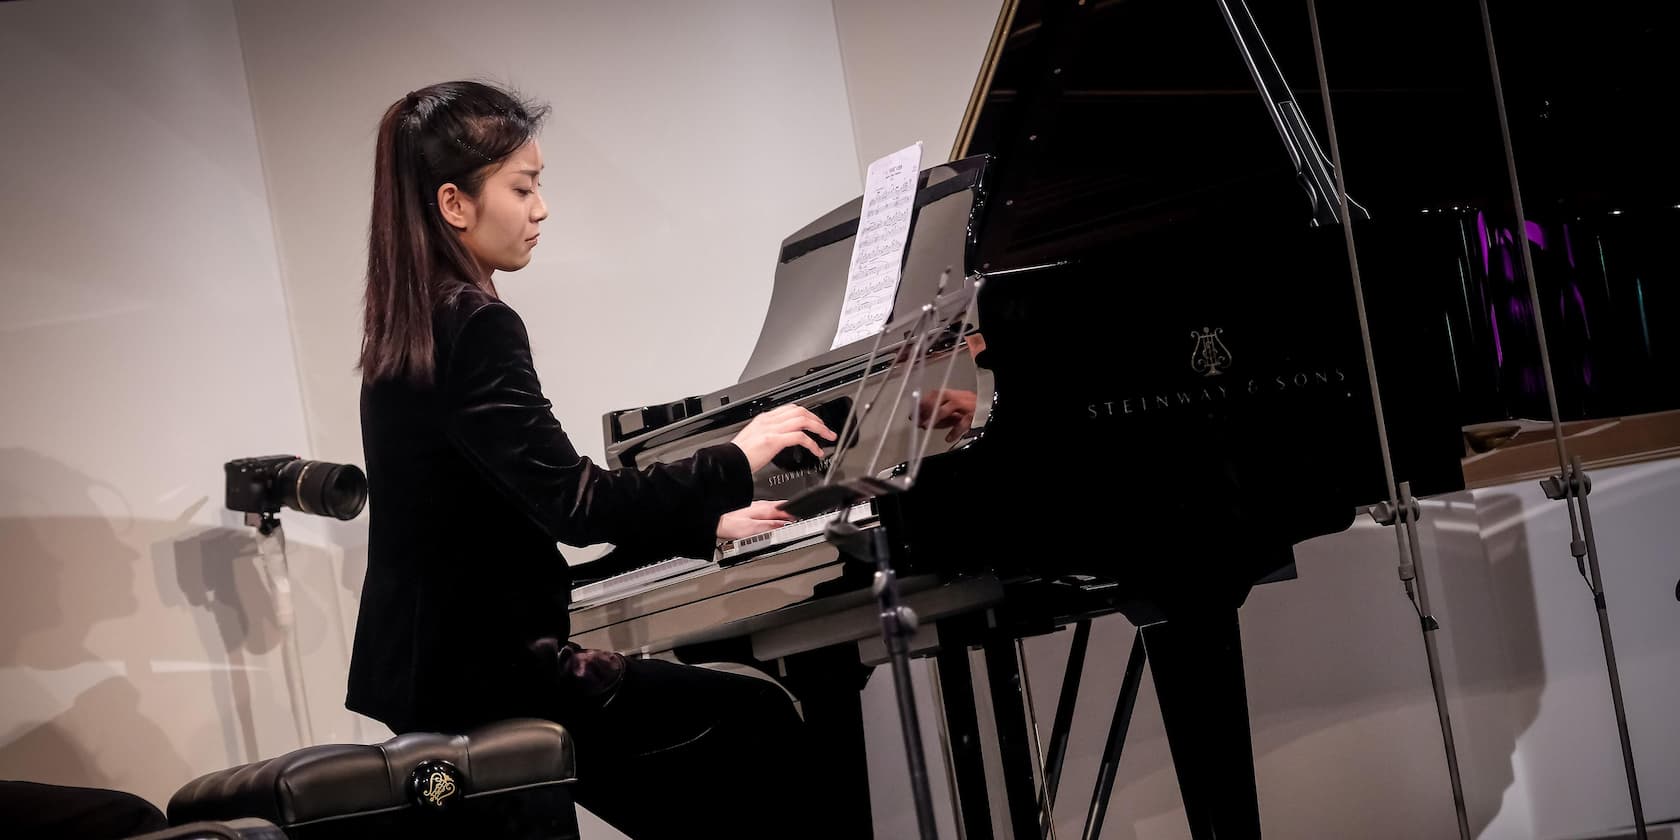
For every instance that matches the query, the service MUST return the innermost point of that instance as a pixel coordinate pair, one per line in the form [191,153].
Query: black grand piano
[1162,388]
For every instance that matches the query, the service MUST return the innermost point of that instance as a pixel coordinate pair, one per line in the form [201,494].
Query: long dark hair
[448,133]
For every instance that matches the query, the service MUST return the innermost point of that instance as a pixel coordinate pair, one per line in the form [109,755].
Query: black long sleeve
[471,482]
[496,415]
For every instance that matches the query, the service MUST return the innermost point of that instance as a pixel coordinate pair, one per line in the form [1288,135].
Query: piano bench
[510,780]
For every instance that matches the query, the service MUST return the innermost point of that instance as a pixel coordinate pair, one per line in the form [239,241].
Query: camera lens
[324,489]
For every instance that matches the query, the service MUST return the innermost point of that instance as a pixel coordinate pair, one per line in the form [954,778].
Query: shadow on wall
[116,677]
[215,573]
[1496,670]
[70,716]
[1353,693]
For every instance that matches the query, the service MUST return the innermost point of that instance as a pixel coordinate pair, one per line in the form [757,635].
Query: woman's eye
[522,191]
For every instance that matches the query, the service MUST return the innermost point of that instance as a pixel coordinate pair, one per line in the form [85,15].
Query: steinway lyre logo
[438,787]
[434,783]
[1209,358]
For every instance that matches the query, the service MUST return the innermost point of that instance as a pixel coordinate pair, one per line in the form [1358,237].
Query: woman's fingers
[790,417]
[799,438]
[946,414]
[770,511]
[958,429]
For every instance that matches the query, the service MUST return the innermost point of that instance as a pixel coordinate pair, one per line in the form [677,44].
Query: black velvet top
[471,482]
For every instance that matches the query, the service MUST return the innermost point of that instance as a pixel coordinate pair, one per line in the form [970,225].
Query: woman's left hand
[755,518]
[952,410]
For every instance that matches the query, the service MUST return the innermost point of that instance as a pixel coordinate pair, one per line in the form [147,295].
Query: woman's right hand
[755,518]
[778,429]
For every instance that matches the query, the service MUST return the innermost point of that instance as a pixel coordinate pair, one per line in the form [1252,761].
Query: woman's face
[499,227]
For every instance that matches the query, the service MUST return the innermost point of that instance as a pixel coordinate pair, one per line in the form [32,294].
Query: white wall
[145,342]
[1566,770]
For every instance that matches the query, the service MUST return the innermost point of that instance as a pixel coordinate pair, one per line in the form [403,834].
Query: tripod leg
[956,682]
[1123,706]
[1197,664]
[1016,754]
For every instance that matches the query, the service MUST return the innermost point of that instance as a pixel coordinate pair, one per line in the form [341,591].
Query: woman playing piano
[464,608]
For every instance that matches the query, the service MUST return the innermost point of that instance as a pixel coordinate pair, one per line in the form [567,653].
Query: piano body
[1172,390]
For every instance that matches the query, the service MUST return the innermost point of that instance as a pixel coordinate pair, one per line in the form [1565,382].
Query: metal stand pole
[898,624]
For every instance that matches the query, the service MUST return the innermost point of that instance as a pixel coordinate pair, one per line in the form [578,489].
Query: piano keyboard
[637,580]
[791,532]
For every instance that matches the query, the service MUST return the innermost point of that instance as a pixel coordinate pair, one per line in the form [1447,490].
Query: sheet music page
[889,195]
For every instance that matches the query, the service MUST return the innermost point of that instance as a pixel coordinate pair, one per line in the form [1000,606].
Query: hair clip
[473,151]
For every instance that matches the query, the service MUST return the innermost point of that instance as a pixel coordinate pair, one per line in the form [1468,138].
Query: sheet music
[889,196]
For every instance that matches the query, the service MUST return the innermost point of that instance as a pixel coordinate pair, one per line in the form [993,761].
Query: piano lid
[1110,120]
[1113,124]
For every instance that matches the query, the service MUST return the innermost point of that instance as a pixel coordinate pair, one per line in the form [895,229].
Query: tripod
[271,550]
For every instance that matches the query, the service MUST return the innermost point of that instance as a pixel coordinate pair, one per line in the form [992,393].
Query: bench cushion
[417,778]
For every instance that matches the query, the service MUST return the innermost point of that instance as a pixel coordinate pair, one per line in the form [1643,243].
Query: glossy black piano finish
[1110,121]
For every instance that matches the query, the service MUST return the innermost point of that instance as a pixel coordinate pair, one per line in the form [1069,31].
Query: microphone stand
[898,625]
[1400,509]
[1571,485]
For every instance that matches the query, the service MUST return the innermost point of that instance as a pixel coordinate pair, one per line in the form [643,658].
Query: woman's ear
[456,207]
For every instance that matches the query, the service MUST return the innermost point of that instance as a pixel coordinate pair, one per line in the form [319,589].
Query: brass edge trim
[1000,34]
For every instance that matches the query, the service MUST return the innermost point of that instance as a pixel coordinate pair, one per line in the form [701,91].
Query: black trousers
[680,752]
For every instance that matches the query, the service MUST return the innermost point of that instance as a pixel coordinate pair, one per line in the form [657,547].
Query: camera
[264,484]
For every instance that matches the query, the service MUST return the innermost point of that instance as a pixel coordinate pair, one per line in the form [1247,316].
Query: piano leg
[1118,726]
[1196,661]
[1066,701]
[1014,749]
[956,681]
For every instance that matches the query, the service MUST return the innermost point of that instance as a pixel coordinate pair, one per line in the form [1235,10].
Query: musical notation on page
[889,197]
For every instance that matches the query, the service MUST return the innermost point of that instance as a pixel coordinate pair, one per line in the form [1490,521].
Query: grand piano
[1163,382]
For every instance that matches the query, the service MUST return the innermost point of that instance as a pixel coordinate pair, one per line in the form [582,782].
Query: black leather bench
[510,779]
